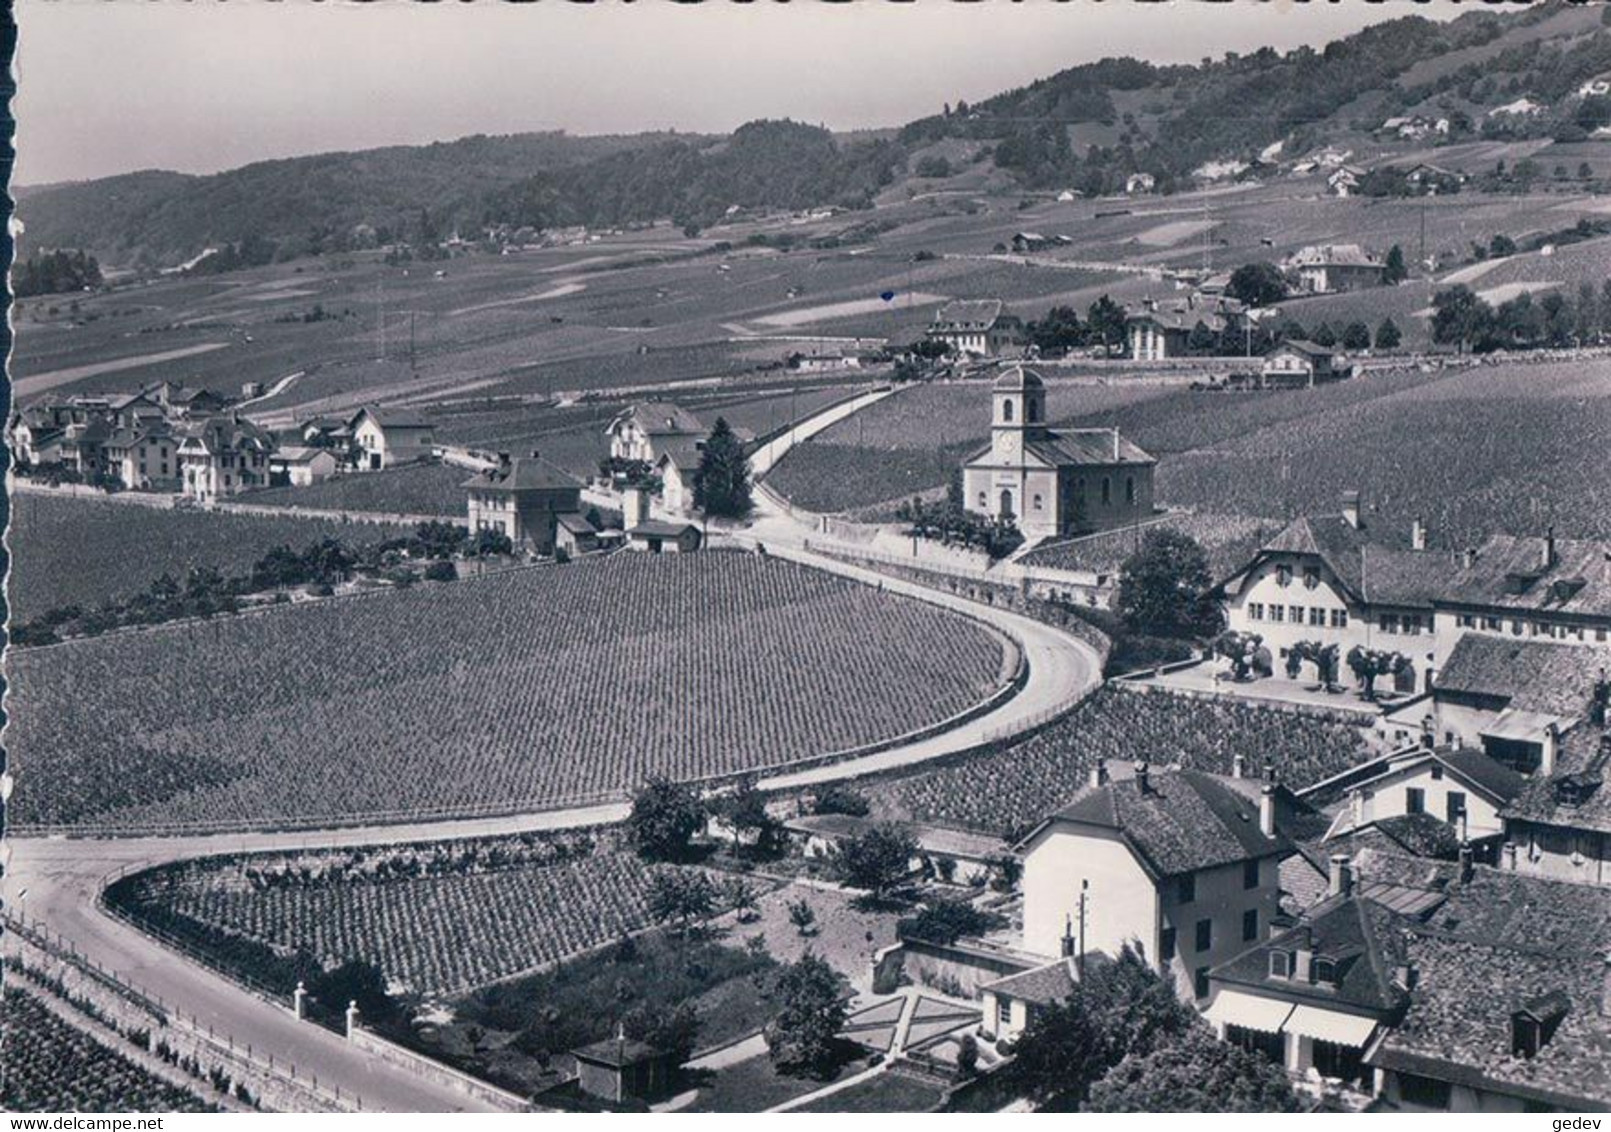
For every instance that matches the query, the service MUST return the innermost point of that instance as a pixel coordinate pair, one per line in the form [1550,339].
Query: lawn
[89,552]
[514,690]
[754,1085]
[886,1092]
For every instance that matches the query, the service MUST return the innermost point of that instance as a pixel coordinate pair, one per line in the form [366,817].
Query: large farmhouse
[532,502]
[1053,483]
[1328,268]
[980,328]
[1157,331]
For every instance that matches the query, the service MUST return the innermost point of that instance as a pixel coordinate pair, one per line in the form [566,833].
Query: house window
[1205,934]
[1003,1012]
[1455,803]
[1283,575]
[1412,623]
[984,500]
[1339,619]
[1423,1092]
[1492,623]
[1317,616]
[1255,611]
[1278,612]
[1437,773]
[1250,874]
[1199,982]
[1006,409]
[1311,577]
[1166,944]
[1188,888]
[1325,971]
[1414,800]
[1389,622]
[1280,965]
[1250,925]
[1296,614]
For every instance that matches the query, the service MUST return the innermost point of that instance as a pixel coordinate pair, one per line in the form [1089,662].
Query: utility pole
[380,319]
[1079,946]
[412,367]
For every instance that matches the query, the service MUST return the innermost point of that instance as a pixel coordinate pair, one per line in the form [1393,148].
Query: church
[1053,483]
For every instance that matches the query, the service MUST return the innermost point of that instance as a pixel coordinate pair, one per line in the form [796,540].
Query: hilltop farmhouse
[1050,482]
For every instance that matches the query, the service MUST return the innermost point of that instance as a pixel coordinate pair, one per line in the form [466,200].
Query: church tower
[1018,413]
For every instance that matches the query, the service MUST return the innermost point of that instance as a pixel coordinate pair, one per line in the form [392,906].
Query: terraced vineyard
[430,934]
[1009,791]
[88,552]
[420,489]
[53,1067]
[521,689]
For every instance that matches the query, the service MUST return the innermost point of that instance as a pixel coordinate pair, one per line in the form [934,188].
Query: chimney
[1458,741]
[1547,559]
[1404,976]
[1551,748]
[1115,446]
[1417,535]
[1141,775]
[1303,957]
[1468,558]
[1359,809]
[1465,862]
[1350,506]
[1239,765]
[1099,772]
[1342,876]
[1462,830]
[1510,856]
[1267,810]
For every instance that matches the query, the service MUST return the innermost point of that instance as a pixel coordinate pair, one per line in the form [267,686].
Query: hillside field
[516,690]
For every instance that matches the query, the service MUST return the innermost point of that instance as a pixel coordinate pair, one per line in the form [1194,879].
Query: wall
[1221,899]
[1121,903]
[1386,798]
[435,1071]
[1582,857]
[958,965]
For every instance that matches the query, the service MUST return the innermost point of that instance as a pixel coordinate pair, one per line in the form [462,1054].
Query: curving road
[55,881]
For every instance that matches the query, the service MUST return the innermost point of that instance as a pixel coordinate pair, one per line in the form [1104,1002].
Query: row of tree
[1465,320]
[51,273]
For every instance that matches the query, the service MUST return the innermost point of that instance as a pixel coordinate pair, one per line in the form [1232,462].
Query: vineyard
[1008,791]
[433,932]
[521,689]
[420,489]
[53,1067]
[1471,451]
[88,551]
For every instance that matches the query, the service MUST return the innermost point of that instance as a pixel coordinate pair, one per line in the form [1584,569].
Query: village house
[978,328]
[1335,579]
[1330,268]
[1139,183]
[1035,242]
[1528,587]
[1560,824]
[1160,330]
[1049,482]
[223,456]
[645,431]
[1177,862]
[388,438]
[301,466]
[144,457]
[678,469]
[1344,180]
[534,504]
[1299,364]
[1459,785]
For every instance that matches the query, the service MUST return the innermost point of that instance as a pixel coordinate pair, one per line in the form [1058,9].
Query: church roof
[1079,447]
[1017,377]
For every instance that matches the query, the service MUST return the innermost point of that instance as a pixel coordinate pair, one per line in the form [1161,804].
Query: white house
[1458,785]
[1328,268]
[223,456]
[301,466]
[645,430]
[387,438]
[980,328]
[1176,863]
[1298,364]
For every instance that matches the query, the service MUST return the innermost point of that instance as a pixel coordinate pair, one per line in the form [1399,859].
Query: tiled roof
[617,1052]
[1213,312]
[1532,675]
[1184,821]
[1458,1025]
[1469,764]
[974,315]
[1355,933]
[1375,571]
[218,434]
[1333,255]
[523,473]
[1099,446]
[1583,760]
[393,418]
[1577,579]
[1040,986]
[662,418]
[1304,346]
[684,452]
[657,528]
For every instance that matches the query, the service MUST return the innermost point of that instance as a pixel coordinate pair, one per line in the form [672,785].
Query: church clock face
[1007,444]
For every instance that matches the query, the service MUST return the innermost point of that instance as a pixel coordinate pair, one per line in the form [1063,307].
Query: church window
[1006,409]
[984,500]
[1129,489]
[1032,411]
[1107,491]
[1038,504]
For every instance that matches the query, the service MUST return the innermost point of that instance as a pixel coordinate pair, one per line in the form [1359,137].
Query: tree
[1369,664]
[1459,316]
[1501,245]
[803,1037]
[722,485]
[740,895]
[665,815]
[1200,340]
[838,798]
[878,859]
[1356,336]
[1394,270]
[674,1032]
[745,810]
[1105,320]
[355,981]
[1325,336]
[1058,333]
[967,1057]
[1323,656]
[1198,1073]
[1257,284]
[802,916]
[1241,649]
[1387,335]
[681,897]
[1164,587]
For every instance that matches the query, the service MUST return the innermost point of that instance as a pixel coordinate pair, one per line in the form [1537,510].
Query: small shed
[659,537]
[620,1068]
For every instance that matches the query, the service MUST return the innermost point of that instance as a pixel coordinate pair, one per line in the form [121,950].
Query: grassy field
[524,688]
[1007,792]
[88,552]
[886,1092]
